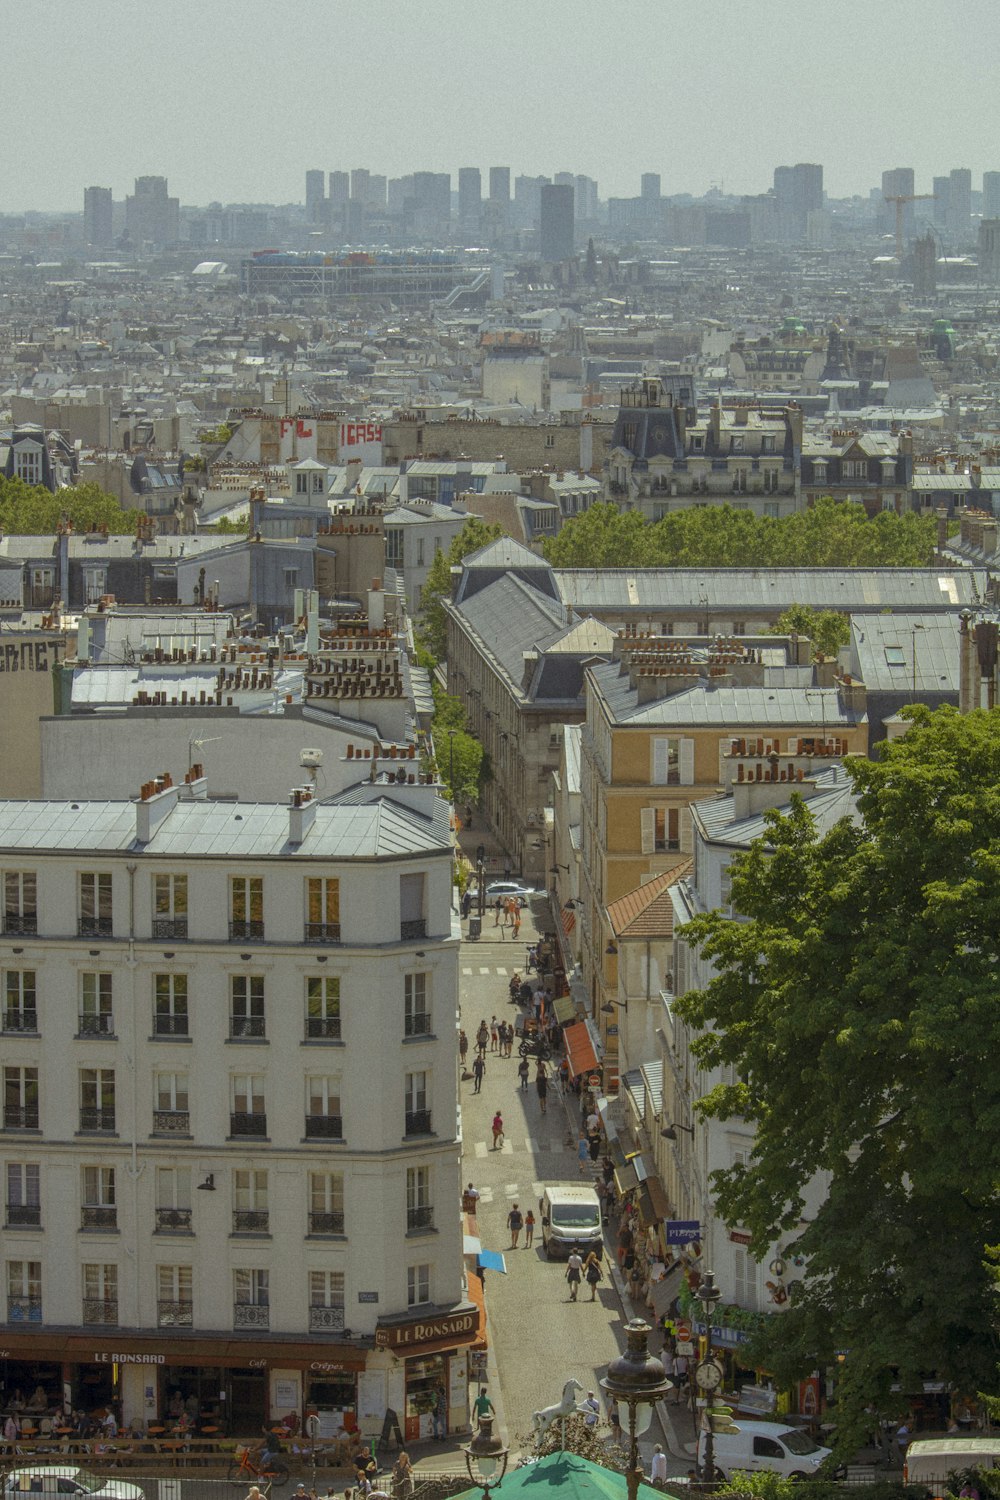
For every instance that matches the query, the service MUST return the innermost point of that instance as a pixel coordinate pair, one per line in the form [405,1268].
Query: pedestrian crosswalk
[515,1190]
[531,1144]
[502,971]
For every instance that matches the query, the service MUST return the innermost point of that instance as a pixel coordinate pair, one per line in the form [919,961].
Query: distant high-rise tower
[798,192]
[556,215]
[315,194]
[500,184]
[470,196]
[151,215]
[989,251]
[97,216]
[960,205]
[340,188]
[360,184]
[925,267]
[991,195]
[897,183]
[650,185]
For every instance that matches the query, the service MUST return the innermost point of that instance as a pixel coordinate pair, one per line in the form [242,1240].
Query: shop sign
[683,1231]
[324,1367]
[740,1237]
[129,1359]
[724,1338]
[411,1335]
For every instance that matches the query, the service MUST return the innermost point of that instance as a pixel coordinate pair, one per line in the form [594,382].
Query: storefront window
[425,1380]
[333,1397]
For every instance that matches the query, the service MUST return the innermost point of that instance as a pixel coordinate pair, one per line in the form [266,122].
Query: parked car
[52,1480]
[509,888]
[773,1446]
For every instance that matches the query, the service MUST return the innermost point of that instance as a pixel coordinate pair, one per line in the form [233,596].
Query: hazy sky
[233,101]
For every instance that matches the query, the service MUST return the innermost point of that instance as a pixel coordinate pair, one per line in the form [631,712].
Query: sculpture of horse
[542,1420]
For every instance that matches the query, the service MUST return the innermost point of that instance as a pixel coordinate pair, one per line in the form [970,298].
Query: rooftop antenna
[194,743]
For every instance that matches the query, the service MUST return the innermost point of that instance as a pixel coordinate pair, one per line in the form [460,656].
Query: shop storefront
[434,1352]
[234,1386]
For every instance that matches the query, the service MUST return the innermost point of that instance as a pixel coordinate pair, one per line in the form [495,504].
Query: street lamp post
[709,1373]
[639,1379]
[484,1456]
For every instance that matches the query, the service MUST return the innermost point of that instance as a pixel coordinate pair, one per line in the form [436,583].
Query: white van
[571,1219]
[765,1445]
[930,1460]
[57,1481]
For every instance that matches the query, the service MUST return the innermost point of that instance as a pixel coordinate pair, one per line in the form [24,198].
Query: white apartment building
[229,1137]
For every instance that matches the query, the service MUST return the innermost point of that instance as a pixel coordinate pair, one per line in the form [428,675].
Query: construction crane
[900,199]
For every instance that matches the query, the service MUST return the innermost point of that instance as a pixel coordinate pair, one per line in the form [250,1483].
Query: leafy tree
[857,1006]
[828,629]
[225,526]
[433,626]
[830,533]
[32,510]
[458,751]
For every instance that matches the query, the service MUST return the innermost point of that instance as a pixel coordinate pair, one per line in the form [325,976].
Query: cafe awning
[579,1049]
[665,1290]
[565,1009]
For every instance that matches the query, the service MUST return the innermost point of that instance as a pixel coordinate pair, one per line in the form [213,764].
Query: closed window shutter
[647,829]
[411,898]
[661,761]
[687,841]
[793,745]
[685,762]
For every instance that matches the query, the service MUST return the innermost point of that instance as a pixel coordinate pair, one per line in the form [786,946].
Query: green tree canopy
[459,754]
[828,534]
[858,1005]
[828,629]
[433,628]
[32,510]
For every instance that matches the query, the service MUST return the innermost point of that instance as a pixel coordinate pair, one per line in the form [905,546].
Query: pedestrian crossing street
[532,1145]
[515,1190]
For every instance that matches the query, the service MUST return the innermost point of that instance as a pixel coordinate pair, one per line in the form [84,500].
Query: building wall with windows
[229,1117]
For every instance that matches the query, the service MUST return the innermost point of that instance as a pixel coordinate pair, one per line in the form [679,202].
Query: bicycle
[255,1466]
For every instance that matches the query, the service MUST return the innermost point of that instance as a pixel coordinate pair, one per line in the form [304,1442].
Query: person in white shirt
[658,1467]
[591,1409]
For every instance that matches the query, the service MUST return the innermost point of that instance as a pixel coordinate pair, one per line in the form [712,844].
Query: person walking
[482,1037]
[497,1131]
[498,912]
[583,1153]
[516,920]
[594,1274]
[466,904]
[478,1071]
[591,1409]
[658,1467]
[680,1377]
[483,1406]
[615,1422]
[494,1034]
[463,1048]
[402,1477]
[515,1223]
[542,1088]
[574,1268]
[529,1229]
[522,1073]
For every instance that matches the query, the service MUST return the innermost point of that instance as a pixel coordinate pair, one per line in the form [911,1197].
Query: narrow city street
[538,1337]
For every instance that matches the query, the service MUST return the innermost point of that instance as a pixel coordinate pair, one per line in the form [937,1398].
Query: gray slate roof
[906,652]
[732,590]
[834,799]
[730,707]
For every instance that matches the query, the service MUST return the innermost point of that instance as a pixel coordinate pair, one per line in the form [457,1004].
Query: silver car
[52,1480]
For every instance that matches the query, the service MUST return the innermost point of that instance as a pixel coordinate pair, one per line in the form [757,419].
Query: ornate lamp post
[708,1375]
[484,1456]
[639,1379]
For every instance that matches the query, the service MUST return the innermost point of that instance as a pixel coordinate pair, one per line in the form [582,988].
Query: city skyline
[851,91]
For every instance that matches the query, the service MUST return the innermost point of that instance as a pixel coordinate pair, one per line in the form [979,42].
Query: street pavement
[538,1337]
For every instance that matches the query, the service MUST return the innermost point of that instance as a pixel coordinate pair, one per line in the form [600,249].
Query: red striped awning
[579,1049]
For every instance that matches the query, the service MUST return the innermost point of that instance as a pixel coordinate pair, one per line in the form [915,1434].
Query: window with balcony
[170,1005]
[326,1203]
[666,829]
[416,1006]
[322,911]
[418,1285]
[416,1113]
[250,1215]
[24,1204]
[394,546]
[174,1297]
[20,903]
[100,1295]
[96,1017]
[323,1008]
[326,1302]
[412,919]
[248,1116]
[20,1011]
[170,907]
[20,1098]
[250,1299]
[246,908]
[419,1212]
[24,1291]
[170,1110]
[97,1197]
[95,905]
[173,1200]
[324,1120]
[97,1099]
[246,1007]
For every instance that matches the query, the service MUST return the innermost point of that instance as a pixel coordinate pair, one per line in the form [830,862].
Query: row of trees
[32,510]
[858,1005]
[829,534]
